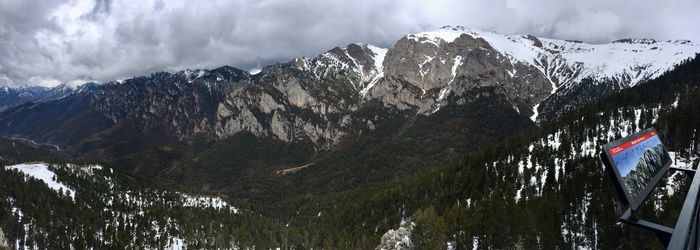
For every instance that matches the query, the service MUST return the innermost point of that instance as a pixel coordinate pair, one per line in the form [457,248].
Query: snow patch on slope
[633,61]
[681,162]
[536,113]
[254,71]
[437,36]
[206,202]
[40,171]
[456,62]
[379,54]
[517,48]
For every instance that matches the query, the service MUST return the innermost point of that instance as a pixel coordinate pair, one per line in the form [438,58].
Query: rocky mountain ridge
[529,63]
[337,94]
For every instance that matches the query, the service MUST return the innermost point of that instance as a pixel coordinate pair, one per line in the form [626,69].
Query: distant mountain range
[12,96]
[474,87]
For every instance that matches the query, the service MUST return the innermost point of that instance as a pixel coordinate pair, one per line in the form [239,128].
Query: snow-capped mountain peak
[363,64]
[427,61]
[628,61]
[619,59]
[444,34]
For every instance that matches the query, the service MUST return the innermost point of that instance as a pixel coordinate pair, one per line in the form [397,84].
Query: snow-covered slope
[379,54]
[118,204]
[565,64]
[40,171]
[362,64]
[627,60]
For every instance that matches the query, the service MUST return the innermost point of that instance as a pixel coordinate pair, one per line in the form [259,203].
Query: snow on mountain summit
[363,63]
[628,61]
[631,62]
[568,67]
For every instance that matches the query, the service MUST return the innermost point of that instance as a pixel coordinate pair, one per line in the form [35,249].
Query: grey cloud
[24,17]
[101,8]
[45,42]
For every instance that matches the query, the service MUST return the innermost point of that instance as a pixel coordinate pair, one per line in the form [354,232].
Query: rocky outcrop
[3,240]
[399,239]
[303,100]
[426,73]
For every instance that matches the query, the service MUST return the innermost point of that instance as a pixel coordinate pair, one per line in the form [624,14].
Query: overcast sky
[46,42]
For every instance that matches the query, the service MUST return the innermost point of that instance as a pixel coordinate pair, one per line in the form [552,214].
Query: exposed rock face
[399,239]
[3,240]
[301,100]
[305,99]
[426,73]
[185,102]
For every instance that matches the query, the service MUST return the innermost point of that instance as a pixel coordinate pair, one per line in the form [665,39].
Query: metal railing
[685,233]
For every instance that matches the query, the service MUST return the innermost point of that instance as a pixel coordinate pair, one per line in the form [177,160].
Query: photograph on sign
[639,160]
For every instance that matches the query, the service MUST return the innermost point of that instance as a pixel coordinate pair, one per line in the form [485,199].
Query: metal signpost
[636,164]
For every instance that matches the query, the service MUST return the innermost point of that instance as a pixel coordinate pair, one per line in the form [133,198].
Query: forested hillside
[89,206]
[543,189]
